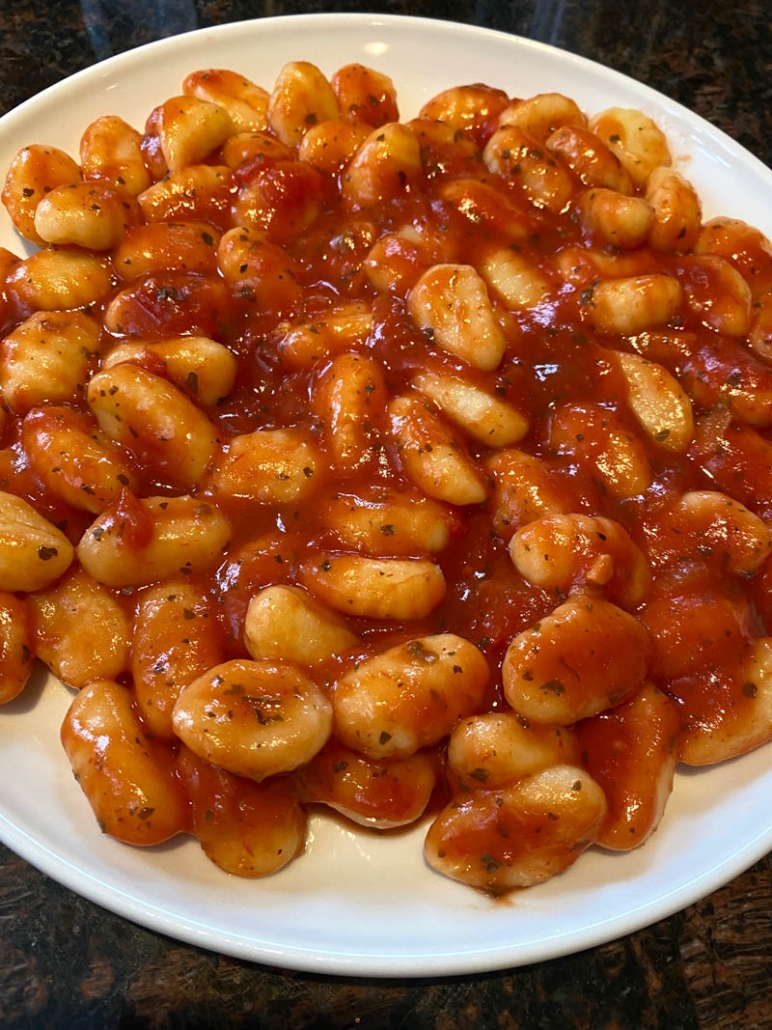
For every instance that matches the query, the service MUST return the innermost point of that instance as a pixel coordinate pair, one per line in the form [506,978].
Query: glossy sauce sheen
[703,603]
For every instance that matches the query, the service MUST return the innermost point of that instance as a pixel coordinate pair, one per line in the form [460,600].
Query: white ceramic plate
[356,903]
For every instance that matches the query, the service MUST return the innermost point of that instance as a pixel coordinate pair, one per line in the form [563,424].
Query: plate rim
[361,19]
[332,964]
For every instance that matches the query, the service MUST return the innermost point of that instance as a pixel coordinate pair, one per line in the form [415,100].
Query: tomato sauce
[312,245]
[553,359]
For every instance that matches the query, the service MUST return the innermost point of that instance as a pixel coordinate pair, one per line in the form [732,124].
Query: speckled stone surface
[66,963]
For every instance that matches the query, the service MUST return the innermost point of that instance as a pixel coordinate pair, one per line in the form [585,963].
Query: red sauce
[553,360]
[556,371]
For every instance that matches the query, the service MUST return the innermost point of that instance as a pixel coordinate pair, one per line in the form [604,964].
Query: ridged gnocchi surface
[419,469]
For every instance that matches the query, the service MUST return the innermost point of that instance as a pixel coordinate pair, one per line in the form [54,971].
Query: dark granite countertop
[66,963]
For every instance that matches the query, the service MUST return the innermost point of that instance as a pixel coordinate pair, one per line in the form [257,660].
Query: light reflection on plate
[356,903]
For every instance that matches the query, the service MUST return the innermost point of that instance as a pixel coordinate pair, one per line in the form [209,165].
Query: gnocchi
[415,469]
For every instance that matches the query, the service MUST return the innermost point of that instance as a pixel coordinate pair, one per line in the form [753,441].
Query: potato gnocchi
[416,469]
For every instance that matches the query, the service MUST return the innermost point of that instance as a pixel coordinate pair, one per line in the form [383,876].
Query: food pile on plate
[416,469]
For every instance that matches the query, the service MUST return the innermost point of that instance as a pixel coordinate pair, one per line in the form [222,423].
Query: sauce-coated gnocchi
[418,470]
